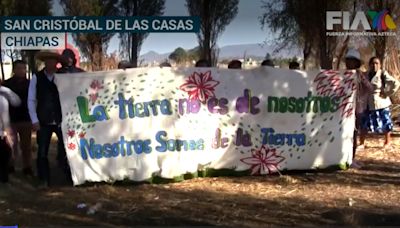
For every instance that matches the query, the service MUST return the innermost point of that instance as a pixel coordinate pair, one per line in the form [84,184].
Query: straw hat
[49,54]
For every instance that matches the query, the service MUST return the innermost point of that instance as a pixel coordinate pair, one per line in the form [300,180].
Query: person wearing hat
[364,88]
[69,62]
[45,112]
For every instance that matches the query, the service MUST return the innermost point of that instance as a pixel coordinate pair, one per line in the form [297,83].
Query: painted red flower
[71,146]
[331,84]
[200,86]
[96,85]
[82,134]
[263,161]
[93,97]
[71,133]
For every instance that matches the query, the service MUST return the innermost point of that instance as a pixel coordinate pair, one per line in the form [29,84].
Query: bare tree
[297,28]
[92,45]
[131,43]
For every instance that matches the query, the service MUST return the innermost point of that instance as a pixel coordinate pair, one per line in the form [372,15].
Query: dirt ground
[367,196]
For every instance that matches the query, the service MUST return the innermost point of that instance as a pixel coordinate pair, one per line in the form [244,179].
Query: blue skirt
[377,121]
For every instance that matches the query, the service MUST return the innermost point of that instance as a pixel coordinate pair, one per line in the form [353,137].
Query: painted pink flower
[331,84]
[263,161]
[71,133]
[200,86]
[93,97]
[96,85]
[82,134]
[71,146]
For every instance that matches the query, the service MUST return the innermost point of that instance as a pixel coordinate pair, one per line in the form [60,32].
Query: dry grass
[368,196]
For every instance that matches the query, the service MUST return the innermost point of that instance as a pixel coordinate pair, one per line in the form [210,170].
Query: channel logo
[381,21]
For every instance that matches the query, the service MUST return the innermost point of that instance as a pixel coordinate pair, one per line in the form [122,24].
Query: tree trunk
[31,61]
[341,52]
[306,54]
[95,57]
[101,54]
[134,49]
[206,53]
[12,56]
[380,48]
[2,67]
[133,38]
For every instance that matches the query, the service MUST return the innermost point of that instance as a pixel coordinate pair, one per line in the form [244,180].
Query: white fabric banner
[166,122]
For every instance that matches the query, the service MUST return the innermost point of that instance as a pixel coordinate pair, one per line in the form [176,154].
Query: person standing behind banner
[20,119]
[45,112]
[202,63]
[235,64]
[6,97]
[364,88]
[267,62]
[68,66]
[69,63]
[294,65]
[378,118]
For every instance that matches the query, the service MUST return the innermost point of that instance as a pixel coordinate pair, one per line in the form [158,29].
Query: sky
[244,29]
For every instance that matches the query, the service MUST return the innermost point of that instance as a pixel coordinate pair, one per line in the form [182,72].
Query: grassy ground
[368,196]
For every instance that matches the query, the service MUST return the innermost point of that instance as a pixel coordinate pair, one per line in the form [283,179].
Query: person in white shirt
[6,97]
[45,112]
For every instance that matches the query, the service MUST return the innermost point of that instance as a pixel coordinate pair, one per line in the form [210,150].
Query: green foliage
[131,43]
[26,8]
[179,55]
[92,45]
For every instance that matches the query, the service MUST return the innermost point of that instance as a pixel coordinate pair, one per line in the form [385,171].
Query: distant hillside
[229,52]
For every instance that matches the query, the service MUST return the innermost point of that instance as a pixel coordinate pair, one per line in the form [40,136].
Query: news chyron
[32,33]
